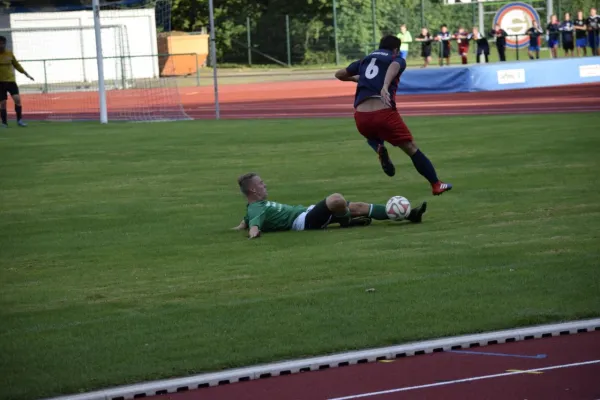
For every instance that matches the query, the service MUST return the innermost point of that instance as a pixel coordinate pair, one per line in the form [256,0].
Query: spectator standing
[567,28]
[500,35]
[405,38]
[534,40]
[444,38]
[593,26]
[580,33]
[462,39]
[425,38]
[553,36]
[483,46]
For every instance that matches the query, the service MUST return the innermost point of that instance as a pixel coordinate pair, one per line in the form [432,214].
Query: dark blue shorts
[552,43]
[581,42]
[534,48]
[593,40]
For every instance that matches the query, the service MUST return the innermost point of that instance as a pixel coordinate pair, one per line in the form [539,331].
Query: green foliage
[311,30]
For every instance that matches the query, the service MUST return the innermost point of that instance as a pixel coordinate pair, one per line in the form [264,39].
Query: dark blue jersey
[553,31]
[567,28]
[372,70]
[445,38]
[593,23]
[534,36]
[580,33]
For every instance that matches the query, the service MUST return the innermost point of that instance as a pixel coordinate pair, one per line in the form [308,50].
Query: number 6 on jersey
[372,69]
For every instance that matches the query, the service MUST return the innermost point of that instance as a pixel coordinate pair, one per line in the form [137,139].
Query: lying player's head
[391,43]
[252,186]
[2,43]
[567,17]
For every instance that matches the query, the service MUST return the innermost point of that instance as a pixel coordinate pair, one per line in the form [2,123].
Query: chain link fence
[310,40]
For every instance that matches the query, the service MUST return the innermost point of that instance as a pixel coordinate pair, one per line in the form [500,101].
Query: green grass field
[118,265]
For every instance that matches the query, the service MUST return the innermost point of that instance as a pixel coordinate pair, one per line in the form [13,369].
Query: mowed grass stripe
[118,265]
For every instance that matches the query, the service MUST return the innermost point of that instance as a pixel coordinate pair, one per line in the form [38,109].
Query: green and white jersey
[269,216]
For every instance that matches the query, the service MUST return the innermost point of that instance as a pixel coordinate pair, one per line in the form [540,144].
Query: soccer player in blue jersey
[593,26]
[567,28]
[376,116]
[444,37]
[534,40]
[553,35]
[269,216]
[580,34]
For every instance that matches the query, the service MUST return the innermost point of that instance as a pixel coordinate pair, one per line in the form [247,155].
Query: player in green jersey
[268,216]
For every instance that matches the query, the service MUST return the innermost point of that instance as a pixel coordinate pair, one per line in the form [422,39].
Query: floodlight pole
[213,56]
[100,62]
[481,19]
[549,10]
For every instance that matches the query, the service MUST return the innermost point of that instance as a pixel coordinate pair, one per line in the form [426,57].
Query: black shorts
[319,217]
[445,51]
[426,52]
[8,87]
[568,46]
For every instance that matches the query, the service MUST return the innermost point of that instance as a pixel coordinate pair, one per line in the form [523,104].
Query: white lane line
[476,378]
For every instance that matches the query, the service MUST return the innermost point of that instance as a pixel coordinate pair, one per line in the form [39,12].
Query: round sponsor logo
[516,19]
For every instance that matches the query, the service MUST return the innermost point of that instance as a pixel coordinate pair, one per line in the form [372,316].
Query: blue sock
[374,143]
[424,166]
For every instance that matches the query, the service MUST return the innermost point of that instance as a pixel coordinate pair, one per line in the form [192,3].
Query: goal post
[99,63]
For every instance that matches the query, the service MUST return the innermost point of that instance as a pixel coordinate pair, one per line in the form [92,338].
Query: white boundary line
[336,360]
[475,378]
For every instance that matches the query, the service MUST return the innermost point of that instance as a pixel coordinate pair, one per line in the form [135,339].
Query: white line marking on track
[476,378]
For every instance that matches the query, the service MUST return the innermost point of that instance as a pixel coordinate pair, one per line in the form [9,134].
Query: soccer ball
[397,208]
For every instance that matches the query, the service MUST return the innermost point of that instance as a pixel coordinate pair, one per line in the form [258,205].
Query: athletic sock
[374,143]
[4,117]
[377,211]
[19,111]
[424,166]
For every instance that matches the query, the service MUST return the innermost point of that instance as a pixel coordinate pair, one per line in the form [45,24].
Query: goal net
[59,50]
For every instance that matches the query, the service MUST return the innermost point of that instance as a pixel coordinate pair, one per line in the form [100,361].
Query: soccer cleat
[440,187]
[21,123]
[384,159]
[358,221]
[416,214]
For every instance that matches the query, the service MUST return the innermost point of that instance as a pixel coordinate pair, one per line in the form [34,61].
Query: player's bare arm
[242,226]
[254,232]
[392,72]
[344,76]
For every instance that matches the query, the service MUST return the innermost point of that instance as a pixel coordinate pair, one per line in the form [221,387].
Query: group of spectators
[578,34]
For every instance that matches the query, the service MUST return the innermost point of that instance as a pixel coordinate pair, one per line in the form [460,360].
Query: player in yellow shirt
[8,84]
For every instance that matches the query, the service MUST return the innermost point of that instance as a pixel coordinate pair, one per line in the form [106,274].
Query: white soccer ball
[397,208]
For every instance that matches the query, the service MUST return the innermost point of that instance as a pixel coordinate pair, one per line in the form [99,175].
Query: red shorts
[463,50]
[384,124]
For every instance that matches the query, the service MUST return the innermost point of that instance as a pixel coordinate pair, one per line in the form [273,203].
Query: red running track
[325,98]
[335,99]
[476,374]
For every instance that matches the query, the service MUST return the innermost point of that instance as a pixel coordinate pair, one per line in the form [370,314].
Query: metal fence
[343,36]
